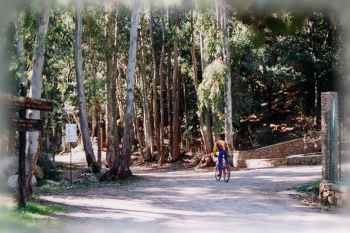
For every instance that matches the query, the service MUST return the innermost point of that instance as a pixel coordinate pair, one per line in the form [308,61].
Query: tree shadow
[176,195]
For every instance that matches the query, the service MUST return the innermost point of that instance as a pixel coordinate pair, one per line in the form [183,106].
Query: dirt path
[189,201]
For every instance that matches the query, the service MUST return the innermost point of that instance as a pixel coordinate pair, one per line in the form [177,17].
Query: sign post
[71,136]
[18,106]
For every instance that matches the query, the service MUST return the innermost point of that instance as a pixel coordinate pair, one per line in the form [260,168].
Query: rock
[331,195]
[104,170]
[12,182]
[49,170]
[34,181]
[39,173]
[87,178]
[87,170]
[52,183]
[64,183]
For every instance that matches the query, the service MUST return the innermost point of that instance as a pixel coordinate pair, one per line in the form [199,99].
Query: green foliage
[39,209]
[28,219]
[276,25]
[89,182]
[272,55]
[95,91]
[210,91]
[206,24]
[309,187]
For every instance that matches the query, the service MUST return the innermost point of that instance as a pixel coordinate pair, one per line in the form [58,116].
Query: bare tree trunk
[162,107]
[188,135]
[111,83]
[120,91]
[121,165]
[137,127]
[146,112]
[97,119]
[155,90]
[33,138]
[99,133]
[176,138]
[203,114]
[229,134]
[124,167]
[146,123]
[169,99]
[20,52]
[85,132]
[76,120]
[93,123]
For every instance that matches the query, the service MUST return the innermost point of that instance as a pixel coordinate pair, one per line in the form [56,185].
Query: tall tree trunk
[147,154]
[203,114]
[186,115]
[162,87]
[229,134]
[85,132]
[117,75]
[20,51]
[155,89]
[124,167]
[169,101]
[121,165]
[33,138]
[137,128]
[98,132]
[111,83]
[97,116]
[176,138]
[120,91]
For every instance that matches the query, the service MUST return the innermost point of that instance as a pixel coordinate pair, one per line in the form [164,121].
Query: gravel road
[192,201]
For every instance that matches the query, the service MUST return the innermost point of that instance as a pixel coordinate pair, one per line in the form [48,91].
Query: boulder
[12,182]
[39,173]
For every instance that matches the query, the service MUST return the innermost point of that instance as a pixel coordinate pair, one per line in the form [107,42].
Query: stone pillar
[330,194]
[330,137]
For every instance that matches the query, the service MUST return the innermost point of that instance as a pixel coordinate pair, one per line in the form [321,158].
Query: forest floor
[192,201]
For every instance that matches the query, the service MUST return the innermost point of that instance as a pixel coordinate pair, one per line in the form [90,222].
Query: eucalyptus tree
[33,145]
[204,113]
[162,92]
[149,140]
[155,96]
[121,164]
[111,77]
[84,126]
[223,9]
[176,123]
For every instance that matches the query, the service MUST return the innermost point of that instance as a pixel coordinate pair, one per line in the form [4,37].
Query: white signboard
[71,133]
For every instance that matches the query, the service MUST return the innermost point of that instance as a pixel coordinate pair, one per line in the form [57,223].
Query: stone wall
[262,163]
[305,159]
[278,151]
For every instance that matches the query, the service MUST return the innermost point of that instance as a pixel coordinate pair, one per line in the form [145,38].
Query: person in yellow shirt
[220,152]
[219,145]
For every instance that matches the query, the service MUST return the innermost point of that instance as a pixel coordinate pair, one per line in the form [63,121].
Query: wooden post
[22,125]
[22,159]
[330,137]
[22,165]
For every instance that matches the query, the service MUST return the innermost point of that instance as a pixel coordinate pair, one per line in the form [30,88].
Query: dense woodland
[156,83]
